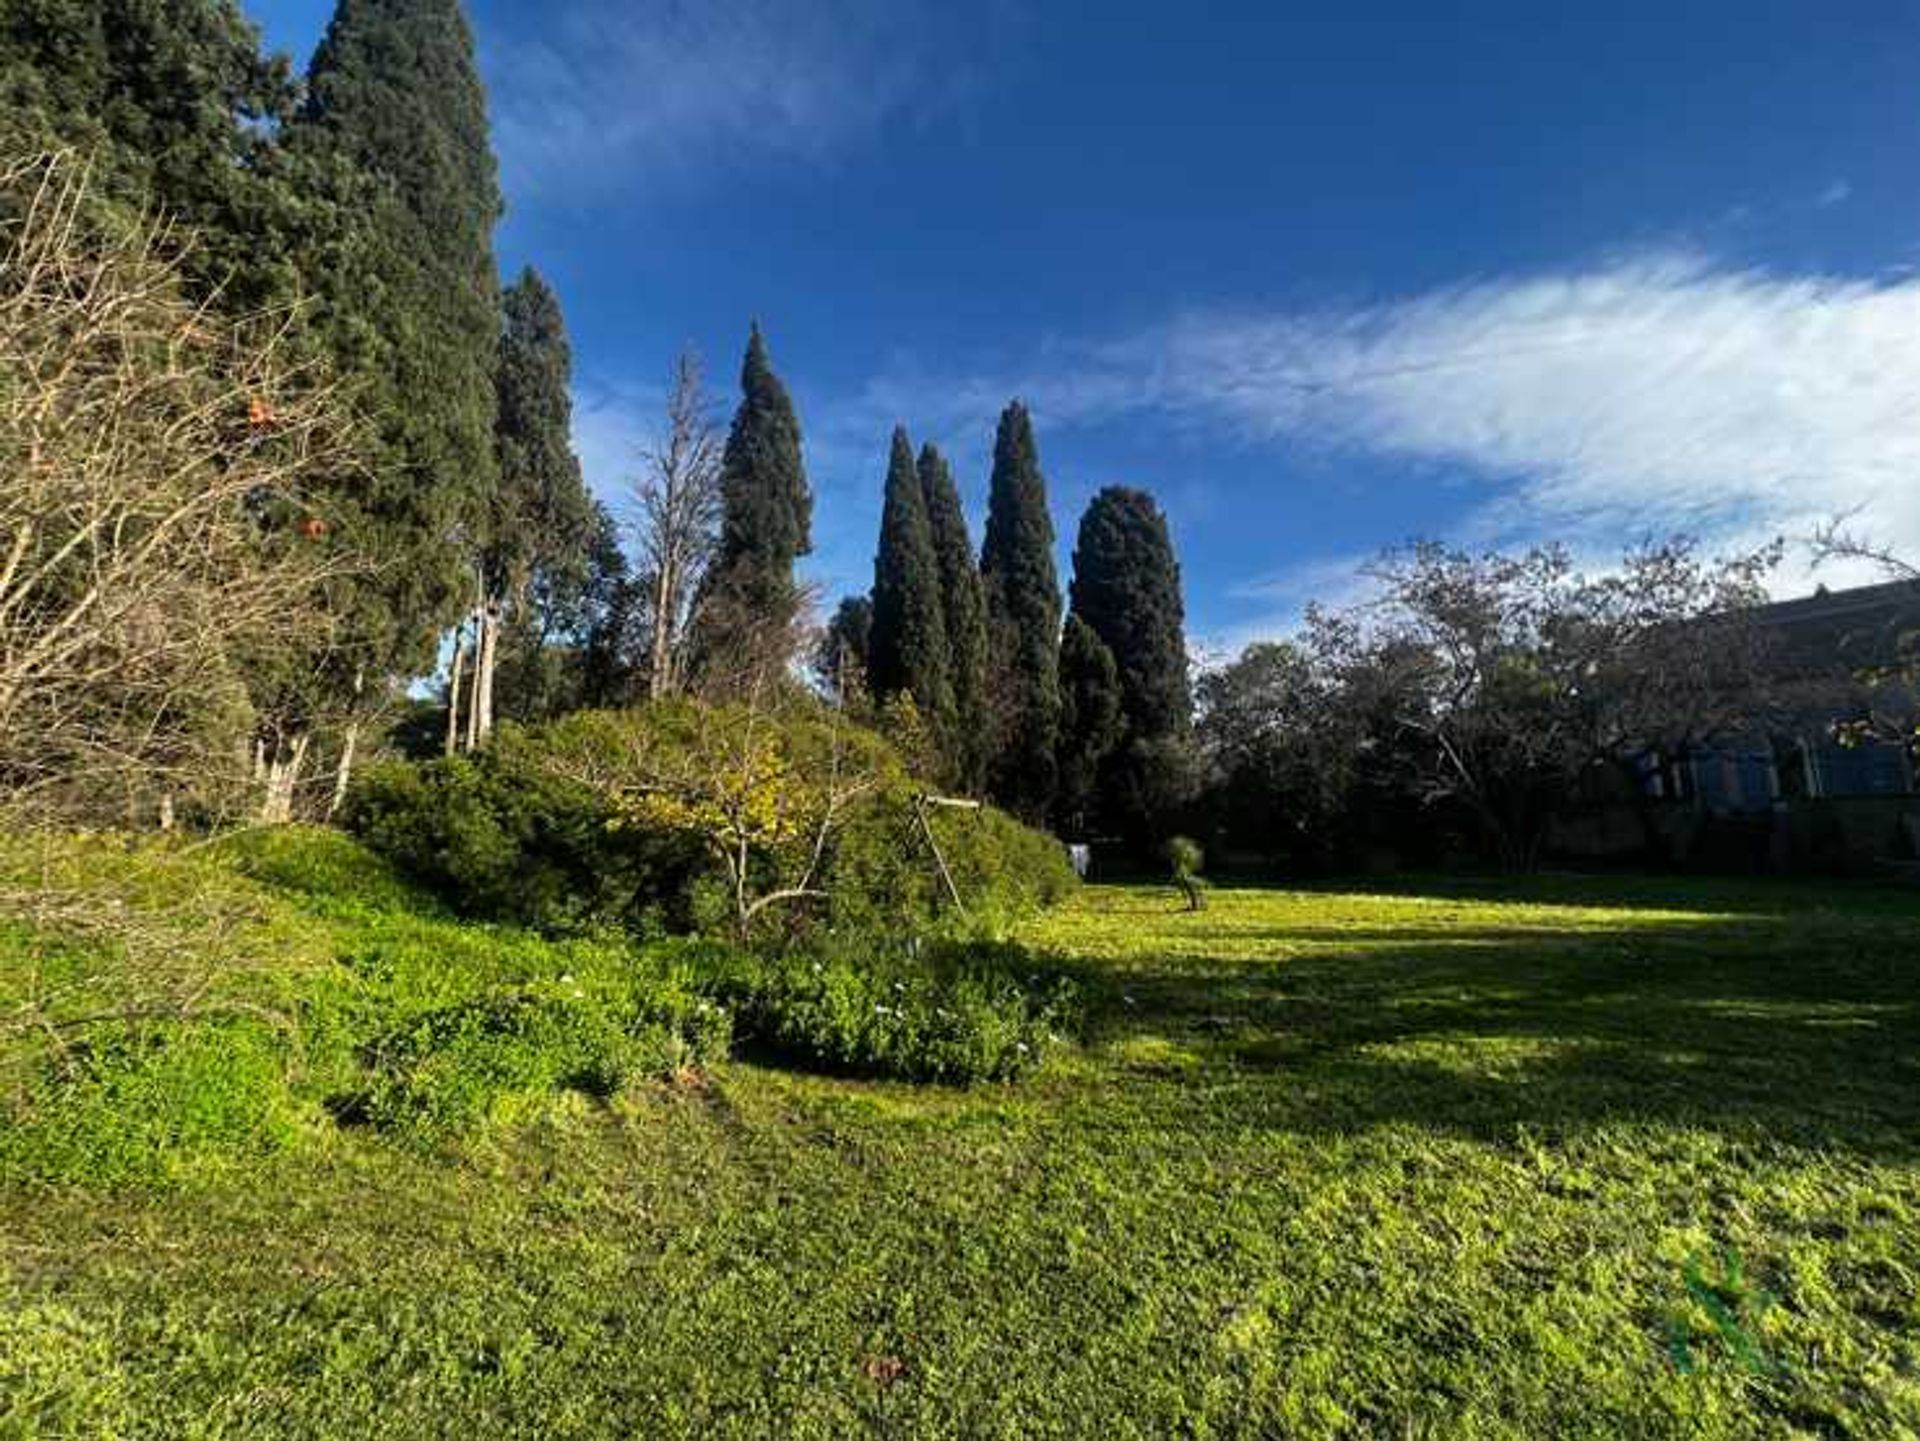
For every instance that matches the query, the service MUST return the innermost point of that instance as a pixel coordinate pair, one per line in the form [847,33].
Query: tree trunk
[349,748]
[453,689]
[283,780]
[660,660]
[484,671]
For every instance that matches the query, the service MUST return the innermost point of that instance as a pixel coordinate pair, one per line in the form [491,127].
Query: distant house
[1832,787]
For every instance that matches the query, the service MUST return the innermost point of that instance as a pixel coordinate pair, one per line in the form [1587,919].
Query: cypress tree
[964,606]
[543,525]
[750,602]
[176,108]
[1126,588]
[396,121]
[1091,724]
[1023,623]
[907,652]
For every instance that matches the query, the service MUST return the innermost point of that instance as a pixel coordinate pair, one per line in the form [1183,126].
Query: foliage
[1126,589]
[1023,624]
[175,109]
[163,553]
[1280,753]
[1091,722]
[1498,681]
[964,609]
[543,526]
[954,1014]
[1186,860]
[841,657]
[685,816]
[395,120]
[499,835]
[750,604]
[907,647]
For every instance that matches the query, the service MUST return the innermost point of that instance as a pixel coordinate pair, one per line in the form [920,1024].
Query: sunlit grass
[1434,1160]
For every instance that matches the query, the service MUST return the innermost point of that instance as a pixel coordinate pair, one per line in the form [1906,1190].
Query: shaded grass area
[1455,1160]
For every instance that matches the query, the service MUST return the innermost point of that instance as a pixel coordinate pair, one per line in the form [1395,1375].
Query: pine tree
[750,604]
[395,122]
[964,606]
[1023,623]
[541,528]
[1091,724]
[908,648]
[1126,588]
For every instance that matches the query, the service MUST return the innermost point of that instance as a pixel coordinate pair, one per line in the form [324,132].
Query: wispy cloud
[1600,405]
[594,97]
[1837,193]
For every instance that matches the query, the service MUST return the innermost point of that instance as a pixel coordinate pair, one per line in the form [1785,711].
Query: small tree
[1186,860]
[763,791]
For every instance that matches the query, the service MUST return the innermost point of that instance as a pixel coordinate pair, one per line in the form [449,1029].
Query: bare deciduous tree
[159,551]
[677,507]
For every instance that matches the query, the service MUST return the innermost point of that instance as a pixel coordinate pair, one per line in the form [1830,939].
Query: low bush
[621,818]
[955,1014]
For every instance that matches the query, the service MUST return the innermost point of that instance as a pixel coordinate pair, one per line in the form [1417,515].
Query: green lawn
[1545,1159]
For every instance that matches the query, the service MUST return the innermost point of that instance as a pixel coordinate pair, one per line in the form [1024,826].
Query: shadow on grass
[1792,1016]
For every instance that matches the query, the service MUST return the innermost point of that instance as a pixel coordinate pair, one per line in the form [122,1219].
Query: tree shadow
[1782,1018]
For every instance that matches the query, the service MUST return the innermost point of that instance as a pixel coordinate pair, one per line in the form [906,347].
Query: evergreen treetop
[1023,621]
[964,606]
[908,646]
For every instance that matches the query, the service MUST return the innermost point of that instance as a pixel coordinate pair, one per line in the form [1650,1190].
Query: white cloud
[1597,407]
[1655,394]
[1837,193]
[594,97]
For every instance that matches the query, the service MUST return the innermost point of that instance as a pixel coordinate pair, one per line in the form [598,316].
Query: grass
[1555,1158]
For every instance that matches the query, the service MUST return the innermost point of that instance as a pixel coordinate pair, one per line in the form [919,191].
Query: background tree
[907,652]
[841,655]
[1506,679]
[963,605]
[1023,623]
[751,605]
[678,509]
[1091,722]
[1278,752]
[540,526]
[1126,588]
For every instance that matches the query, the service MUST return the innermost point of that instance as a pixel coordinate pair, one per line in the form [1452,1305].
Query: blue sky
[1325,277]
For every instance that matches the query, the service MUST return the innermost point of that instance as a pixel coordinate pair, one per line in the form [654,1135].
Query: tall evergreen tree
[1091,724]
[1023,623]
[396,115]
[1126,588]
[541,527]
[907,653]
[964,606]
[176,108]
[750,602]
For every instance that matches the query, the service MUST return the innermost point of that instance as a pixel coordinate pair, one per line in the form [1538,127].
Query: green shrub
[509,835]
[319,863]
[954,1014]
[500,836]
